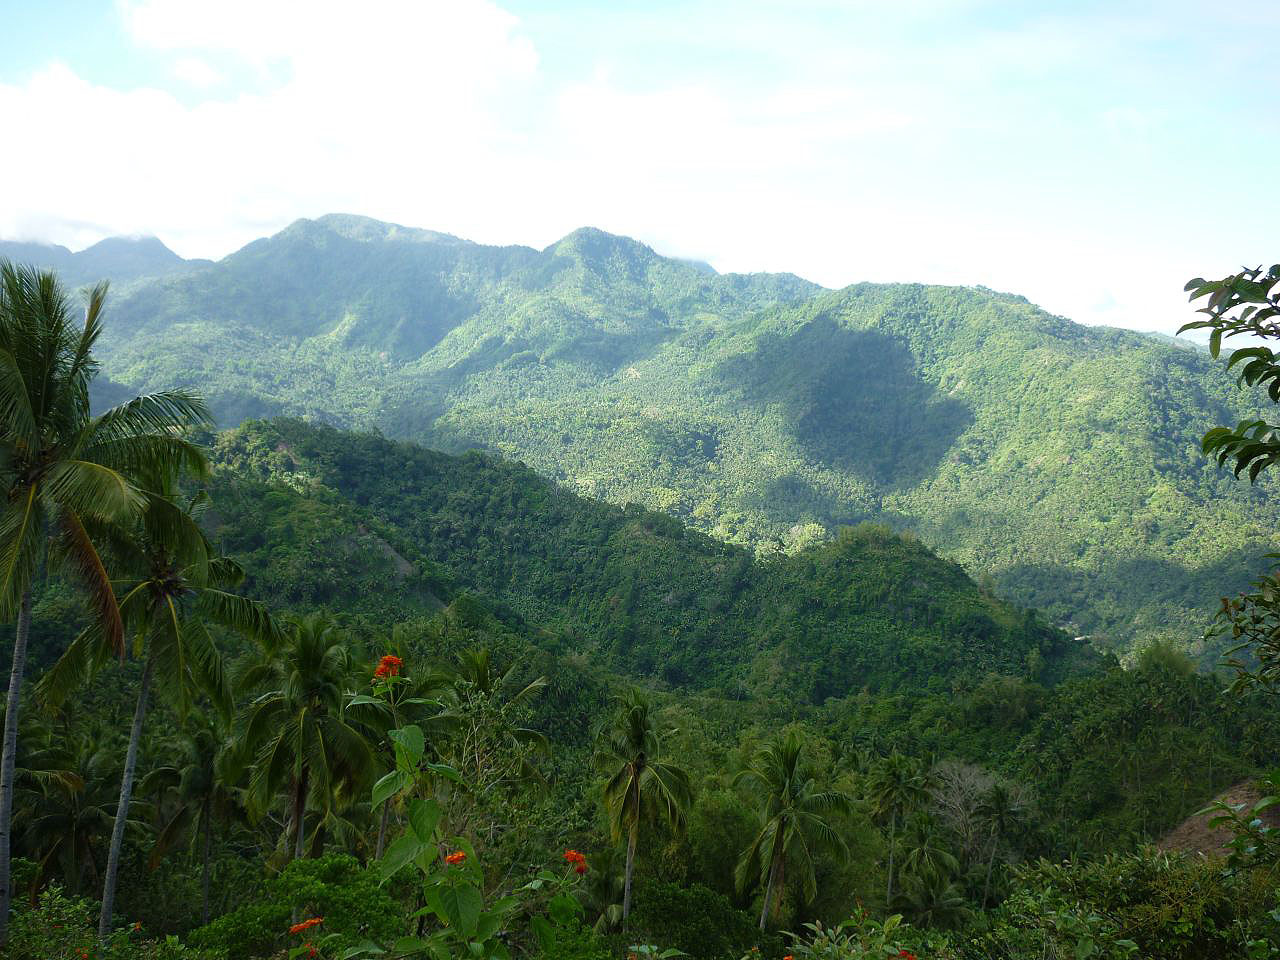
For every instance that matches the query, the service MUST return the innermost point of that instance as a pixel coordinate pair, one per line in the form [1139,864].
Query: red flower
[788,957]
[456,857]
[311,951]
[306,925]
[580,868]
[574,857]
[388,666]
[906,955]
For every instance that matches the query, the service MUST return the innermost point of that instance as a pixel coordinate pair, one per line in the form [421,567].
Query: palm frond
[78,553]
[249,617]
[21,534]
[92,489]
[16,415]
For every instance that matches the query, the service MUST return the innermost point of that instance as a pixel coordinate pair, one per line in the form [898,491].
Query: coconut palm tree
[71,818]
[793,813]
[298,729]
[934,899]
[203,789]
[640,786]
[62,468]
[924,849]
[175,586]
[1003,810]
[896,786]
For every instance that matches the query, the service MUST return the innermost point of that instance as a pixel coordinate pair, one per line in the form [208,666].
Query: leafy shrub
[59,927]
[694,919]
[335,887]
[1153,905]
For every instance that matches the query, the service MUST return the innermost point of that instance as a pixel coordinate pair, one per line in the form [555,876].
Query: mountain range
[1057,463]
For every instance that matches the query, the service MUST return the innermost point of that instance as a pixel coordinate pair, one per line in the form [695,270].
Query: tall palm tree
[640,786]
[305,745]
[1003,811]
[203,788]
[61,467]
[793,822]
[174,588]
[896,786]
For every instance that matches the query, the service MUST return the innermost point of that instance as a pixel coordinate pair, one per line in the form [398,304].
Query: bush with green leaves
[1152,905]
[352,901]
[862,937]
[58,927]
[695,920]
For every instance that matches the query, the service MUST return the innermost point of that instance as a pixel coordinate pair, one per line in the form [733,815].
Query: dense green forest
[287,690]
[1055,462]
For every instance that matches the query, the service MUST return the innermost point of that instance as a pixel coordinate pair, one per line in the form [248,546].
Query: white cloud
[197,73]
[891,147]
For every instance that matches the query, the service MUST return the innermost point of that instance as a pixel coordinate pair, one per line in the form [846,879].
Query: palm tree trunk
[300,814]
[204,880]
[10,755]
[893,829]
[768,891]
[631,862]
[986,886]
[122,811]
[382,830]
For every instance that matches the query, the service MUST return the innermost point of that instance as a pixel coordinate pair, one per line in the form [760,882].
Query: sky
[1091,156]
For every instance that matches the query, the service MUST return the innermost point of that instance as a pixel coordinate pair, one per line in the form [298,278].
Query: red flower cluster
[455,858]
[788,957]
[906,955]
[388,666]
[311,950]
[578,860]
[306,924]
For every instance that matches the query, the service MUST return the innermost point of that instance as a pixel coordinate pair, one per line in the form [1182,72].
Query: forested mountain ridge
[323,517]
[1060,460]
[120,259]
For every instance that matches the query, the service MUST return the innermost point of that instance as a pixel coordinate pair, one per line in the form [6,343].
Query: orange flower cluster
[578,860]
[306,924]
[388,666]
[788,957]
[455,858]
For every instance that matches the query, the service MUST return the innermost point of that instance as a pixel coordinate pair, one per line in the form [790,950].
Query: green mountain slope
[120,259]
[1059,460]
[358,522]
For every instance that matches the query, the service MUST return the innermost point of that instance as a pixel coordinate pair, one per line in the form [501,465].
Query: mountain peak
[368,230]
[593,245]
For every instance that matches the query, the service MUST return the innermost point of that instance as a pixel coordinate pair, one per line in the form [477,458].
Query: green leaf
[544,932]
[458,904]
[411,740]
[398,854]
[444,770]
[389,786]
[424,815]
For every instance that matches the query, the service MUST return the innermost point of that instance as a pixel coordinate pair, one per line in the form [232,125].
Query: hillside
[359,522]
[1058,460]
[121,260]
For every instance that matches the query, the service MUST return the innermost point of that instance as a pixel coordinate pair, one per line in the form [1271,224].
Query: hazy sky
[1091,156]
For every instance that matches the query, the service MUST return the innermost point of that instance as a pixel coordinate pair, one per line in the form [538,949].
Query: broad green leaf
[398,854]
[424,815]
[389,786]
